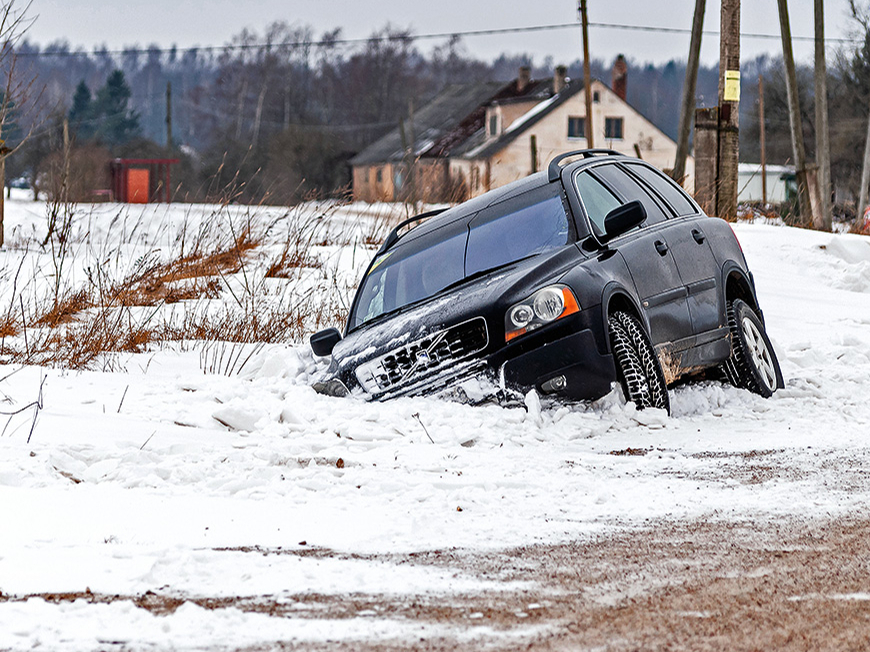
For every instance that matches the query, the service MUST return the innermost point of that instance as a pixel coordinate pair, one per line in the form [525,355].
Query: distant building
[781,183]
[473,138]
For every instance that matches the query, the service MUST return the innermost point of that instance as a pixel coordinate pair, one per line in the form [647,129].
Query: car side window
[630,189]
[597,200]
[666,188]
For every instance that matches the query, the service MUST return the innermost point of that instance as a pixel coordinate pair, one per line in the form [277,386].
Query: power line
[306,43]
[681,30]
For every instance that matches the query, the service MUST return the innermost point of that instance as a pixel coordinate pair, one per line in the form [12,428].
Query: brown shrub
[88,173]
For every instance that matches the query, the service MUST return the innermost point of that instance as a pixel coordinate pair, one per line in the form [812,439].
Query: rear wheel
[637,365]
[753,364]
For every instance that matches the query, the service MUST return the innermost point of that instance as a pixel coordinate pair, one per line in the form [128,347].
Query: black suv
[599,270]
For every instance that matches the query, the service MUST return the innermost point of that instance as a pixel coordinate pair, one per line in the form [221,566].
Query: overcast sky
[118,23]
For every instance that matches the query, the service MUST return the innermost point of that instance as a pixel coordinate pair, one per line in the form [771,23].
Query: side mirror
[322,342]
[623,219]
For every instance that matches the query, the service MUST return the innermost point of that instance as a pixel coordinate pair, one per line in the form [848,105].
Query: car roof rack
[553,169]
[393,237]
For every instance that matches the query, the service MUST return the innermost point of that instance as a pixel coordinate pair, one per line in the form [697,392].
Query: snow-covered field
[164,482]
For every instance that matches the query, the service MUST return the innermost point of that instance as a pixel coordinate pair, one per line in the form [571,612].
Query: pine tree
[117,123]
[81,115]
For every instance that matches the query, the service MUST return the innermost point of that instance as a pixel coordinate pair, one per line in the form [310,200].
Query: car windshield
[494,237]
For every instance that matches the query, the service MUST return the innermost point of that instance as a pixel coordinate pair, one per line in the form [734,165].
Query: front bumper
[568,357]
[587,373]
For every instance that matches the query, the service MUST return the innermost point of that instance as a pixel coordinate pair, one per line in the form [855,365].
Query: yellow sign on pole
[732,86]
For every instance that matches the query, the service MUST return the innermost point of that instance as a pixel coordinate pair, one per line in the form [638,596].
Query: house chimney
[559,79]
[619,77]
[523,78]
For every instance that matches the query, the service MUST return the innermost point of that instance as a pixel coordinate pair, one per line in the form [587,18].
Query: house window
[596,97]
[493,125]
[613,128]
[576,127]
[379,175]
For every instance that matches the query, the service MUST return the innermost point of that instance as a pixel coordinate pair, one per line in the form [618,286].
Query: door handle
[699,237]
[661,247]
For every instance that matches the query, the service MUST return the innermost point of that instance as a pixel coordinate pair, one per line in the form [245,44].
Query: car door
[691,250]
[645,250]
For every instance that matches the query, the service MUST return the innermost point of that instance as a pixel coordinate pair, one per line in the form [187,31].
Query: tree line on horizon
[277,115]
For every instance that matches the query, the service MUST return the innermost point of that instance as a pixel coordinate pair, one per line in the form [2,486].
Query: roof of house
[483,148]
[448,121]
[540,111]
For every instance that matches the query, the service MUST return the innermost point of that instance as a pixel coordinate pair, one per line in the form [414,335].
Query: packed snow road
[159,507]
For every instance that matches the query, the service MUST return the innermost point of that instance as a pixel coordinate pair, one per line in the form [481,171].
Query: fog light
[556,384]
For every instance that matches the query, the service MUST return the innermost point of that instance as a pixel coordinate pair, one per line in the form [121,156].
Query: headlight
[521,315]
[549,304]
[544,306]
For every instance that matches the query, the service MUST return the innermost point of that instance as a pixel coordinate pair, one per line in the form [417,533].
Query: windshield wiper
[482,272]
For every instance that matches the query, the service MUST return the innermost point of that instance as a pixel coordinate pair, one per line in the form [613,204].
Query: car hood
[488,296]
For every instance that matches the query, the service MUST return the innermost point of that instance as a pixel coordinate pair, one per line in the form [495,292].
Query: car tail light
[735,237]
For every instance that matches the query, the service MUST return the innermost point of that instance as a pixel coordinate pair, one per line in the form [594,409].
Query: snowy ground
[163,505]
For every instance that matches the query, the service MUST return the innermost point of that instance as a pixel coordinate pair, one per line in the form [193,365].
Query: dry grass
[289,261]
[8,328]
[384,221]
[156,283]
[225,304]
[65,309]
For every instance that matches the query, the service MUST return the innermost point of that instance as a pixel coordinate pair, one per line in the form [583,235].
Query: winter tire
[637,365]
[753,364]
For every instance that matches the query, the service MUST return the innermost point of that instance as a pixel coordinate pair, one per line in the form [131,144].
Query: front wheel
[637,365]
[753,364]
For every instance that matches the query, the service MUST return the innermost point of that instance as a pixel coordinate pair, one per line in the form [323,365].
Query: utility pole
[823,148]
[67,152]
[169,116]
[761,130]
[687,108]
[587,75]
[2,195]
[729,105]
[794,115]
[412,169]
[533,144]
[865,176]
[4,151]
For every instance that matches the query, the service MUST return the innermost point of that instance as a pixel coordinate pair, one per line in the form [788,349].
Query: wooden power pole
[533,144]
[587,75]
[865,176]
[823,147]
[687,107]
[794,115]
[169,116]
[729,105]
[761,133]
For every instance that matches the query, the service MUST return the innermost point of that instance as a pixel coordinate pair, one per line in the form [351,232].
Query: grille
[426,356]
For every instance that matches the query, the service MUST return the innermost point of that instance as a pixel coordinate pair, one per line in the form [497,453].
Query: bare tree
[18,89]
